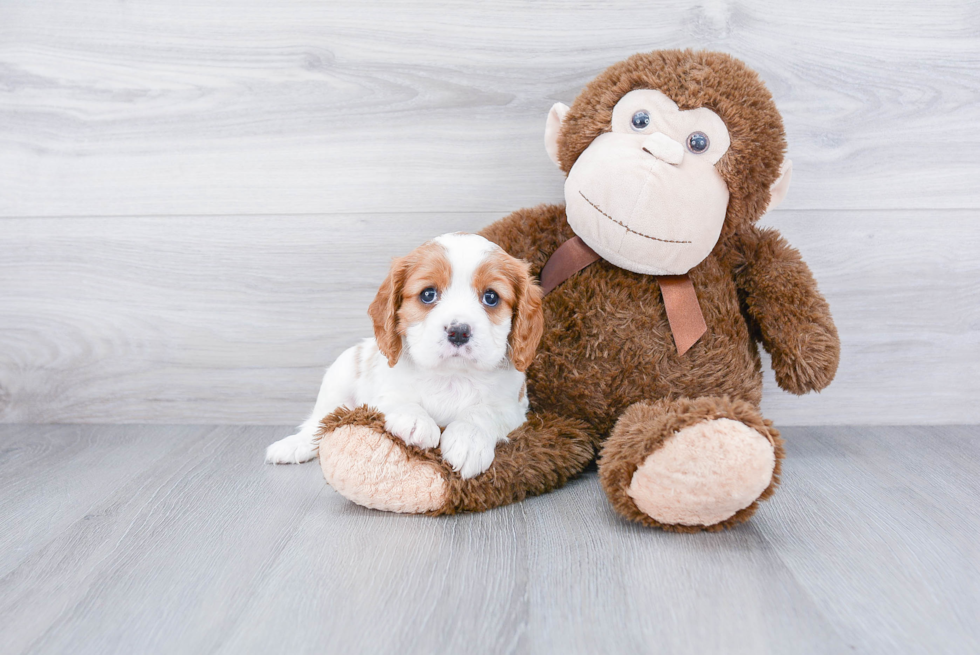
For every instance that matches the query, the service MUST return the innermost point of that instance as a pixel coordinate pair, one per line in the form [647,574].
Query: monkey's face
[646,196]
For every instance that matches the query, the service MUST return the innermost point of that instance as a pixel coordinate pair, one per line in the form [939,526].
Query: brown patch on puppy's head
[520,300]
[692,79]
[397,304]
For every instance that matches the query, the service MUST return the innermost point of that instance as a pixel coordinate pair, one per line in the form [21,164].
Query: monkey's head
[665,153]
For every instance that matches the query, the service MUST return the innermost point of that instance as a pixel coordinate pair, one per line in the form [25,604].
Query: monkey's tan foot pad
[704,474]
[366,465]
[370,467]
[688,465]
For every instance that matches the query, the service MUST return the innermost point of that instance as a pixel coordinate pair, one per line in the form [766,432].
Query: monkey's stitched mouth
[624,225]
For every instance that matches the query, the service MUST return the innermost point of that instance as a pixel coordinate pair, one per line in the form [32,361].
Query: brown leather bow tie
[680,300]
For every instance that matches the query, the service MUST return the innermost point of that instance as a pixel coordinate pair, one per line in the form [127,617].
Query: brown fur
[607,349]
[520,298]
[371,417]
[692,79]
[383,311]
[543,454]
[528,323]
[397,306]
[644,427]
[607,374]
[608,346]
[498,273]
[786,311]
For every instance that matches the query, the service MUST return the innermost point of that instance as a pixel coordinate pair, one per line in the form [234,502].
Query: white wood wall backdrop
[197,199]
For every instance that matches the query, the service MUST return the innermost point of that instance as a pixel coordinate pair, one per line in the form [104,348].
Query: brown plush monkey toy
[661,286]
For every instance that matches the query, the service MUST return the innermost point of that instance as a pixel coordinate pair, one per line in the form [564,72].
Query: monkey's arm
[791,317]
[532,234]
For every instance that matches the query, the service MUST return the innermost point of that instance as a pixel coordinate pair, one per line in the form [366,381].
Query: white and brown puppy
[456,324]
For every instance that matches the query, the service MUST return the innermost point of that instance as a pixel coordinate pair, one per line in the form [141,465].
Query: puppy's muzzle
[458,334]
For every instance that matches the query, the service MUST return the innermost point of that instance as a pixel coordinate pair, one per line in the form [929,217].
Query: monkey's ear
[552,128]
[780,187]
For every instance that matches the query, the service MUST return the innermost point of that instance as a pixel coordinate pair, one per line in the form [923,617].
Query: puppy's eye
[697,142]
[429,295]
[490,298]
[640,120]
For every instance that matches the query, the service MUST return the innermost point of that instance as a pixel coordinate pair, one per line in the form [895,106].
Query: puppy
[456,324]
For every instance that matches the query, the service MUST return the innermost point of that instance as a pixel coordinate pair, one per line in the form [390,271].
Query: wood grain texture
[234,319]
[869,546]
[197,199]
[250,107]
[890,513]
[63,474]
[187,537]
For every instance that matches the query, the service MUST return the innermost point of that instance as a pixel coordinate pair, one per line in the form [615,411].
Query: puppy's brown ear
[384,311]
[528,323]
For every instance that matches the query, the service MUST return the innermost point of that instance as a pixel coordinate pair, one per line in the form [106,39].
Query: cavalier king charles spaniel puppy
[456,324]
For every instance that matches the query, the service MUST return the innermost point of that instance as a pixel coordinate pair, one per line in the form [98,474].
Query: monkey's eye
[640,120]
[428,295]
[697,142]
[490,298]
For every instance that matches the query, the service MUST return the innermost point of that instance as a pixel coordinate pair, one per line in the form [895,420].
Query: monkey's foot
[366,465]
[370,467]
[690,465]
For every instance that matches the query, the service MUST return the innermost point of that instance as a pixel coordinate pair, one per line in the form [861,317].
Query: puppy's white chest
[444,398]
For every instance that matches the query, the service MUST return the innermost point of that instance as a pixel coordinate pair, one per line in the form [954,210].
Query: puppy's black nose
[458,333]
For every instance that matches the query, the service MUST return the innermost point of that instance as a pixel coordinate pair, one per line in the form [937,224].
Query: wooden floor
[140,539]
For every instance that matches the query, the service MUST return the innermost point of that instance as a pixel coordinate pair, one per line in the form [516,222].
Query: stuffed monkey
[660,288]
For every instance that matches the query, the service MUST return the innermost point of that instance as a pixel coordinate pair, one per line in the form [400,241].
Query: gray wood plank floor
[157,539]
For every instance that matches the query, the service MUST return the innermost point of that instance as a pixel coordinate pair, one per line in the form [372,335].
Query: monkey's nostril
[663,159]
[458,333]
[664,148]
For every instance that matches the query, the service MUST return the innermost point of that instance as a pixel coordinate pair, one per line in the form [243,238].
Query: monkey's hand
[790,316]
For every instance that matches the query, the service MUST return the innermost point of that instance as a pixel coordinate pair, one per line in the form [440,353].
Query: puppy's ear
[527,326]
[384,311]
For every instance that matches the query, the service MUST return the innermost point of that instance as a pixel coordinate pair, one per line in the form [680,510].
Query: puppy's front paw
[294,449]
[415,429]
[467,448]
